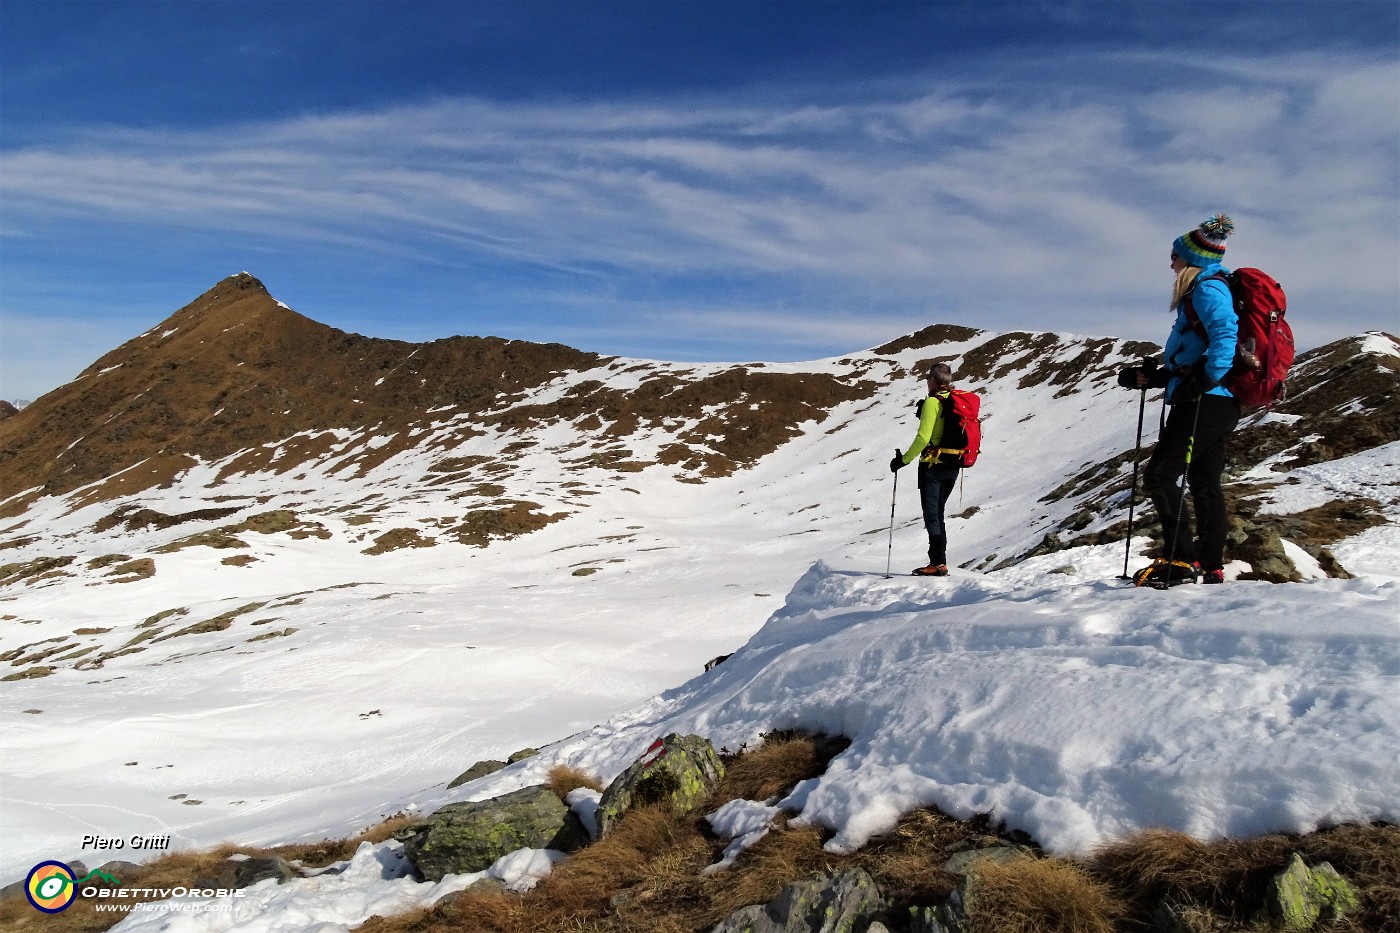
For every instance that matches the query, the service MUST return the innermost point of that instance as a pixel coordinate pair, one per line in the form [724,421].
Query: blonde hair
[1184,280]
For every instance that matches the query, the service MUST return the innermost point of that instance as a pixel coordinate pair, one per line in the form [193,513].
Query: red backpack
[962,427]
[1264,350]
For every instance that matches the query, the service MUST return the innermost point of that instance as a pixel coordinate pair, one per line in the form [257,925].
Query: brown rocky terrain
[235,370]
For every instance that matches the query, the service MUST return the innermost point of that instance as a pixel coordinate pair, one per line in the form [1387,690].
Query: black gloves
[1157,376]
[897,462]
[1194,383]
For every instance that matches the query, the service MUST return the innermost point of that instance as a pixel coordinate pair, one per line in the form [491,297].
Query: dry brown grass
[1227,877]
[783,856]
[328,851]
[907,864]
[563,780]
[1033,895]
[775,767]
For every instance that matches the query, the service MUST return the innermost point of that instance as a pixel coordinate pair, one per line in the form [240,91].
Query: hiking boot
[1162,573]
[1213,576]
[932,570]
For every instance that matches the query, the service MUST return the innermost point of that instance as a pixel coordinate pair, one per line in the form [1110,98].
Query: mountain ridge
[176,392]
[238,380]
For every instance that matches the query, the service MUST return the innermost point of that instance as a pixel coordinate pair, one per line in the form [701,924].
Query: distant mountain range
[236,384]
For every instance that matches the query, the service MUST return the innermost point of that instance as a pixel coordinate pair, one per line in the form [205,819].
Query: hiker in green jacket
[938,468]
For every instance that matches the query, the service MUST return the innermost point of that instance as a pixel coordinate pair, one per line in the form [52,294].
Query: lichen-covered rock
[841,903]
[679,769]
[955,915]
[925,920]
[1299,896]
[469,837]
[522,755]
[478,770]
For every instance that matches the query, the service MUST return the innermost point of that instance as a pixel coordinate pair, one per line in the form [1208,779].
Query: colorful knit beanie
[1204,246]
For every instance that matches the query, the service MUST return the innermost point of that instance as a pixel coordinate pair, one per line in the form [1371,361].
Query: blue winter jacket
[1217,313]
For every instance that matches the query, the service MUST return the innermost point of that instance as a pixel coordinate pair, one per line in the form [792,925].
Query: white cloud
[1040,202]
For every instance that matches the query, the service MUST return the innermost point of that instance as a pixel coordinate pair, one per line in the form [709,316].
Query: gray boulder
[961,863]
[956,915]
[469,837]
[453,905]
[250,871]
[680,769]
[478,770]
[842,903]
[119,869]
[244,873]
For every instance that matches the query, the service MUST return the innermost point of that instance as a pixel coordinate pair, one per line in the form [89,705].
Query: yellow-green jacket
[930,428]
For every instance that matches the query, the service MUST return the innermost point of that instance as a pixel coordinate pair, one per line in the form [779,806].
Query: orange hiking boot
[932,570]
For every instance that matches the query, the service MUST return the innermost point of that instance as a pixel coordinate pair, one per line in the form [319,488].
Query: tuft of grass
[785,855]
[1033,895]
[907,864]
[775,767]
[564,780]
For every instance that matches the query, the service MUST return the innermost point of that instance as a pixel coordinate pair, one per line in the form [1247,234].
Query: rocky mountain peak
[235,369]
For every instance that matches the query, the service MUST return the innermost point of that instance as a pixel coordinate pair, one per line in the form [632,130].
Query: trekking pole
[1181,500]
[1132,496]
[889,550]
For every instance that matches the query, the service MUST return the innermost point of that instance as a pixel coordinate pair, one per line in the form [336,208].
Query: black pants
[936,484]
[1213,423]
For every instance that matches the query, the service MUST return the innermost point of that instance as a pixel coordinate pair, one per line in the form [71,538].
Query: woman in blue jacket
[1203,413]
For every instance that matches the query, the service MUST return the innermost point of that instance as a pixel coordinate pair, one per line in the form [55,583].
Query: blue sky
[685,180]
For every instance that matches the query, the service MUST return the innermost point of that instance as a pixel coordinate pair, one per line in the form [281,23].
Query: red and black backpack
[1264,350]
[962,429]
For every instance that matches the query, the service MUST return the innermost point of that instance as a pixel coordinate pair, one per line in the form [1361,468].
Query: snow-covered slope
[293,639]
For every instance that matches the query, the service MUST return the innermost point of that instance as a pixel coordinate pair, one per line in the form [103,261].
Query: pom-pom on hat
[1204,246]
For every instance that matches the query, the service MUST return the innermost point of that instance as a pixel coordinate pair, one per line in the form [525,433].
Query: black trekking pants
[936,482]
[1216,420]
